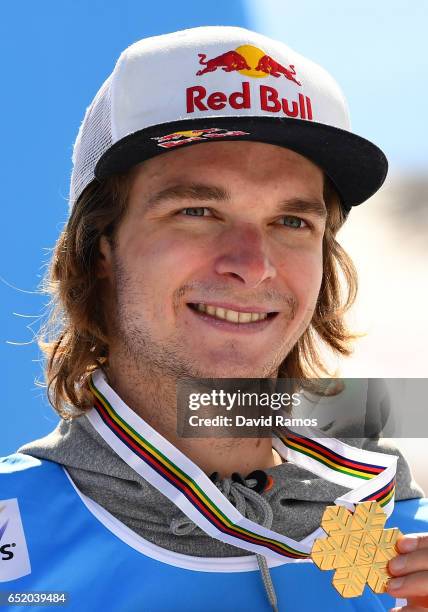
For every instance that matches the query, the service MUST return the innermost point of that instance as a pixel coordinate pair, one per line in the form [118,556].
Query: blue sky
[57,54]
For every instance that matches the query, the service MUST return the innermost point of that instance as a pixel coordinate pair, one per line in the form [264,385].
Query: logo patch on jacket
[14,559]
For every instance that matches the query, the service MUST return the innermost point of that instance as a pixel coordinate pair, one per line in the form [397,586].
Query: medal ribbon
[371,475]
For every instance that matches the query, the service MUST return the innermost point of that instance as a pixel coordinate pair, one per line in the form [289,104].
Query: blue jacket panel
[71,550]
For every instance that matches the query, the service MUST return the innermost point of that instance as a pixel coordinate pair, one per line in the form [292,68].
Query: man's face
[228,225]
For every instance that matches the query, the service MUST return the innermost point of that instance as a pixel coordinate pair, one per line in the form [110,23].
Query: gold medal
[357,547]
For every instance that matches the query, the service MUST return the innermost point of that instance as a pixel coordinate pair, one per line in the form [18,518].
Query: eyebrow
[200,192]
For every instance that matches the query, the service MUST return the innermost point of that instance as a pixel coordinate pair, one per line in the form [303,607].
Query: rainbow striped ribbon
[370,475]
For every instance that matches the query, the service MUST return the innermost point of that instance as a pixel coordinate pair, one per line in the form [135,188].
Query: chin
[234,370]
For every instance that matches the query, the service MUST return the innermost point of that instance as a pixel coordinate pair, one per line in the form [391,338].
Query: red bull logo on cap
[250,61]
[177,139]
[197,98]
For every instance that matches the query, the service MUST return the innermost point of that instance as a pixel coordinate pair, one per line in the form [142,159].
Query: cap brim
[356,166]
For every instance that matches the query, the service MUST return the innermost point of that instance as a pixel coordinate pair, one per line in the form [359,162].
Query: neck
[153,398]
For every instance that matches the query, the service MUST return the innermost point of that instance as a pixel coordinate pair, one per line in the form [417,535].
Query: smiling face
[225,227]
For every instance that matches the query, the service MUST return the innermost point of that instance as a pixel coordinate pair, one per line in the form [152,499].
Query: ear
[105,258]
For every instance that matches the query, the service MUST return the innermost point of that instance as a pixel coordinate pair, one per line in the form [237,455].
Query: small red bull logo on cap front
[183,137]
[249,61]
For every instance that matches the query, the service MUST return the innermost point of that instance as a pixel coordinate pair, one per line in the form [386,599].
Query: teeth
[231,315]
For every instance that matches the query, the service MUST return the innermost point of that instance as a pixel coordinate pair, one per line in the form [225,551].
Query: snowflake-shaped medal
[357,547]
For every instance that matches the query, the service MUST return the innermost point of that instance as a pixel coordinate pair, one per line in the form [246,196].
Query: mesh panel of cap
[93,139]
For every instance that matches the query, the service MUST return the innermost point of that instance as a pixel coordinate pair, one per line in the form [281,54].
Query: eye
[195,211]
[295,222]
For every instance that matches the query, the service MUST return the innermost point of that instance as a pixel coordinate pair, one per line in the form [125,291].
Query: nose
[245,256]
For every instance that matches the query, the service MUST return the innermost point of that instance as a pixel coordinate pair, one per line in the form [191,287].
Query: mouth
[232,319]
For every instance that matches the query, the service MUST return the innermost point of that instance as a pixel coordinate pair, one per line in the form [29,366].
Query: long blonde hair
[74,338]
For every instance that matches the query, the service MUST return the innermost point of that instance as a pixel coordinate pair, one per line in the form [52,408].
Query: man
[211,174]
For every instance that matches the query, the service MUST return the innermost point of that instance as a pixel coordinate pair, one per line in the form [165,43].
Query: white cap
[222,83]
